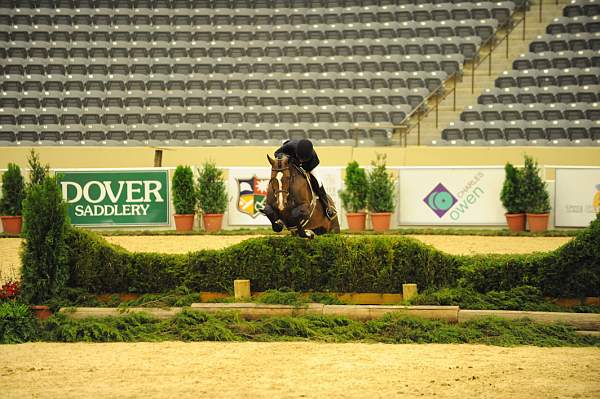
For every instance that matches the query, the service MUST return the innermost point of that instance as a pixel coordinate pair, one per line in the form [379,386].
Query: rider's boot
[330,211]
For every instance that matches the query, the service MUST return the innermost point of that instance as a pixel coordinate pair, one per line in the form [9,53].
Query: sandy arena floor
[296,370]
[460,245]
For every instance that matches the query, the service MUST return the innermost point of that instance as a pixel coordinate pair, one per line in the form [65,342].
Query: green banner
[109,197]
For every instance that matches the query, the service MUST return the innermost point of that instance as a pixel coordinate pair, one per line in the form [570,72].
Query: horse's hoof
[309,234]
[277,226]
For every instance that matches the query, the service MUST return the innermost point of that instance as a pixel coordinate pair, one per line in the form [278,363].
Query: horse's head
[279,185]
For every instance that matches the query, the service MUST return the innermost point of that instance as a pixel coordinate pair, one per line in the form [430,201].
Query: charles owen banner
[577,196]
[248,192]
[116,197]
[450,196]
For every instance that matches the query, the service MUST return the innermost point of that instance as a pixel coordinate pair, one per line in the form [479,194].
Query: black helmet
[304,150]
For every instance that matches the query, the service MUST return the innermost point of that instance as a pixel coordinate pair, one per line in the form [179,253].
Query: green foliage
[519,298]
[277,297]
[185,195]
[37,171]
[334,263]
[380,196]
[535,193]
[17,323]
[354,196]
[13,191]
[44,252]
[190,325]
[512,190]
[212,191]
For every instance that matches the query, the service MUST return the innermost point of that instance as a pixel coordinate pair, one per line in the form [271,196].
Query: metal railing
[502,35]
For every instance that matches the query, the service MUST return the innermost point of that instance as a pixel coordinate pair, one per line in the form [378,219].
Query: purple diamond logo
[440,200]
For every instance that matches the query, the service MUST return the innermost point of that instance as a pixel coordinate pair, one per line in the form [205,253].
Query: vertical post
[507,44]
[490,61]
[473,77]
[158,158]
[241,289]
[409,291]
[437,108]
[454,95]
[541,2]
[524,21]
[419,128]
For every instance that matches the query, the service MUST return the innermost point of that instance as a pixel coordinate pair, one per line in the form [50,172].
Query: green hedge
[334,263]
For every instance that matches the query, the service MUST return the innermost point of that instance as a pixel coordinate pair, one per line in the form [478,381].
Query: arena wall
[128,157]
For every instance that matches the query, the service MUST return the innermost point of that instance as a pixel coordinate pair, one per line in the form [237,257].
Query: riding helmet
[304,150]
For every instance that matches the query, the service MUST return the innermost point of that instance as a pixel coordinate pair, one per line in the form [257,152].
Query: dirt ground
[296,370]
[460,245]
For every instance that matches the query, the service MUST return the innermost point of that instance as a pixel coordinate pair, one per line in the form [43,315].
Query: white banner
[577,196]
[248,192]
[450,196]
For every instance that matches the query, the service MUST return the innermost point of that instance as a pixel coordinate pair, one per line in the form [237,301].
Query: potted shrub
[380,197]
[212,196]
[354,196]
[536,198]
[185,198]
[512,198]
[13,193]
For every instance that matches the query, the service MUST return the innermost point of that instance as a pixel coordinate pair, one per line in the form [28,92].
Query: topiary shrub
[212,194]
[185,195]
[44,253]
[535,193]
[13,191]
[512,190]
[380,196]
[354,196]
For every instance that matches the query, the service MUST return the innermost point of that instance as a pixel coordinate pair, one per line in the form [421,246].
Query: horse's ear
[271,160]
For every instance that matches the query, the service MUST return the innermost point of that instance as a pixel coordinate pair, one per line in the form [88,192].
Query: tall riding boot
[329,210]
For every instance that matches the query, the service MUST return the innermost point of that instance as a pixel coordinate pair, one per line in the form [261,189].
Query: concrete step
[467,91]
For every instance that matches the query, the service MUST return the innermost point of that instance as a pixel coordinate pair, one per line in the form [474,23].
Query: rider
[303,154]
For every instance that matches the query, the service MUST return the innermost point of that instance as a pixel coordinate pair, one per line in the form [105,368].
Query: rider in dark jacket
[303,153]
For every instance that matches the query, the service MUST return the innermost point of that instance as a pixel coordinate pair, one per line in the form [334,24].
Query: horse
[292,201]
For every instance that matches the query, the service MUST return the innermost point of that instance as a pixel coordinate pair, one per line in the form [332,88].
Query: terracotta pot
[12,224]
[515,221]
[212,221]
[184,222]
[381,221]
[537,222]
[42,312]
[356,220]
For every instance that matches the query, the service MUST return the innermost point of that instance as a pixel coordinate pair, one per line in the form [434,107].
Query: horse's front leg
[273,216]
[300,214]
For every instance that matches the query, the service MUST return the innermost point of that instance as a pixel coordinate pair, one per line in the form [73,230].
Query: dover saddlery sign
[116,197]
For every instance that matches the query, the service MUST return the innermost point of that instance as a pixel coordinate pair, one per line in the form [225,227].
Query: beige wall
[105,157]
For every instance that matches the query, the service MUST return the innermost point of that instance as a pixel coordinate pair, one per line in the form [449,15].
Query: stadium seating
[551,97]
[231,72]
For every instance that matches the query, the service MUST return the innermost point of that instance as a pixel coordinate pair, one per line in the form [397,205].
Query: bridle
[313,202]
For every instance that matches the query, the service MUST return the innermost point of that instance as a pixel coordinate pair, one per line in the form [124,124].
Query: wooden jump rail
[452,314]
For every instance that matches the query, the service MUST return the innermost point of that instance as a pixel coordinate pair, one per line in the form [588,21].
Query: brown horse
[292,202]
